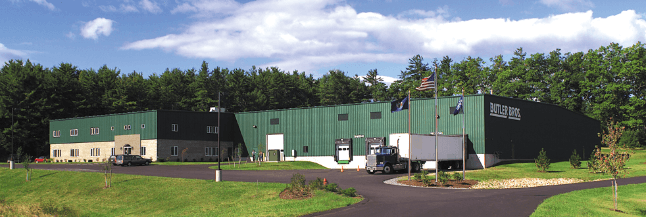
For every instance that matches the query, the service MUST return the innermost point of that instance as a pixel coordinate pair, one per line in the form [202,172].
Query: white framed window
[94,131]
[74,152]
[112,151]
[173,151]
[142,151]
[175,127]
[56,133]
[56,153]
[74,132]
[214,151]
[207,151]
[143,126]
[94,152]
[127,127]
[212,129]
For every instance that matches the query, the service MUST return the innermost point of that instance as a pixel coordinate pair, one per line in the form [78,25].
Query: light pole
[11,161]
[218,172]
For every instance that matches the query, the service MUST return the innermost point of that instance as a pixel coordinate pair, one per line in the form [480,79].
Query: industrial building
[167,135]
[497,128]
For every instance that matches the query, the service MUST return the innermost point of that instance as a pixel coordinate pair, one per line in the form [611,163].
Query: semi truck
[393,157]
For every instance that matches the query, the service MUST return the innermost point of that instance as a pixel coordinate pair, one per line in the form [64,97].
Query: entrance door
[275,142]
[127,149]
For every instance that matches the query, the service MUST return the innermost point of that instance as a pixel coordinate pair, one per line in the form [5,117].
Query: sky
[312,36]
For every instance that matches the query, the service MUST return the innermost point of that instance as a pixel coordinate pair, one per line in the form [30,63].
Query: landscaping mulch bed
[450,184]
[288,195]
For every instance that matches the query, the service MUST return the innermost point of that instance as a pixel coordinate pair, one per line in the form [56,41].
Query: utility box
[274,155]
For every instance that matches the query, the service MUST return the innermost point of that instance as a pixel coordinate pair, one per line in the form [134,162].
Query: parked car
[113,159]
[41,159]
[129,160]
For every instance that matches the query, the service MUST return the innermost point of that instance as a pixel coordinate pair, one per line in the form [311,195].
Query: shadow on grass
[555,171]
[642,212]
[48,174]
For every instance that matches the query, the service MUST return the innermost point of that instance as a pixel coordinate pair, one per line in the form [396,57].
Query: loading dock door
[343,150]
[372,143]
[275,142]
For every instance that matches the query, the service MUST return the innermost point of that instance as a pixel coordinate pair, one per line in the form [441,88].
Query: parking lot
[380,199]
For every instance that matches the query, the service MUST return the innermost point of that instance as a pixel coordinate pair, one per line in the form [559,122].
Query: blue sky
[312,36]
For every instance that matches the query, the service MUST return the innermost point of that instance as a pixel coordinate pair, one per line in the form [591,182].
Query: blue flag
[399,105]
[459,106]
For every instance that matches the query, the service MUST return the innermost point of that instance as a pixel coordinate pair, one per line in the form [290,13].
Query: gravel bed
[508,183]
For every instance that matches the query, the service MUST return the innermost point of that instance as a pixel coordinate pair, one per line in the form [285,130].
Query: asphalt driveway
[380,199]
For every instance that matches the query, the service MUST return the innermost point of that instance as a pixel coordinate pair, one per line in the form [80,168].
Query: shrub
[297,186]
[442,177]
[420,176]
[542,162]
[457,176]
[593,161]
[426,180]
[350,192]
[575,160]
[317,184]
[332,187]
[161,160]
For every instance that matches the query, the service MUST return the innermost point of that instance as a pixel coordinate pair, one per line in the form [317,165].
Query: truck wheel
[388,169]
[129,164]
[416,167]
[370,171]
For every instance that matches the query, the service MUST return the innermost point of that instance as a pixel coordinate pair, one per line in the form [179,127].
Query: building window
[375,115]
[274,121]
[142,151]
[143,126]
[212,129]
[94,152]
[56,153]
[112,151]
[305,149]
[211,151]
[343,117]
[56,133]
[94,131]
[127,127]
[74,132]
[74,152]
[173,151]
[175,128]
[214,151]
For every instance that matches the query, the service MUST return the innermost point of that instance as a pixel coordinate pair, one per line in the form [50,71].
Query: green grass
[286,165]
[66,193]
[596,202]
[635,167]
[173,163]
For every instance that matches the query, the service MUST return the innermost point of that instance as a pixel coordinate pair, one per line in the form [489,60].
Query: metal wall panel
[539,125]
[318,127]
[105,123]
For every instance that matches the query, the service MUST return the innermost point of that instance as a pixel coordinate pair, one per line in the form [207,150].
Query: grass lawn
[635,167]
[596,202]
[285,165]
[65,193]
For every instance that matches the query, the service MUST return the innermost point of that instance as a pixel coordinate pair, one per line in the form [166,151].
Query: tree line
[604,83]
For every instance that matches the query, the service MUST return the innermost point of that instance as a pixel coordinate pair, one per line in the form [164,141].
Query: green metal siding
[104,123]
[318,127]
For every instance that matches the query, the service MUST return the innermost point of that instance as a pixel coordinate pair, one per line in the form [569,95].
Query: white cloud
[97,27]
[124,8]
[150,6]
[48,5]
[70,35]
[326,33]
[7,54]
[569,5]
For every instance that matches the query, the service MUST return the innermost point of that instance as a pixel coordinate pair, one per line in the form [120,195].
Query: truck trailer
[394,157]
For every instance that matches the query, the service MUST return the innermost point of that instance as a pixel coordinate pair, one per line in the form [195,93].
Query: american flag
[427,83]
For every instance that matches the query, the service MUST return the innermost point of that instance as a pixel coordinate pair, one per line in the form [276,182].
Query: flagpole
[464,146]
[410,143]
[437,159]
